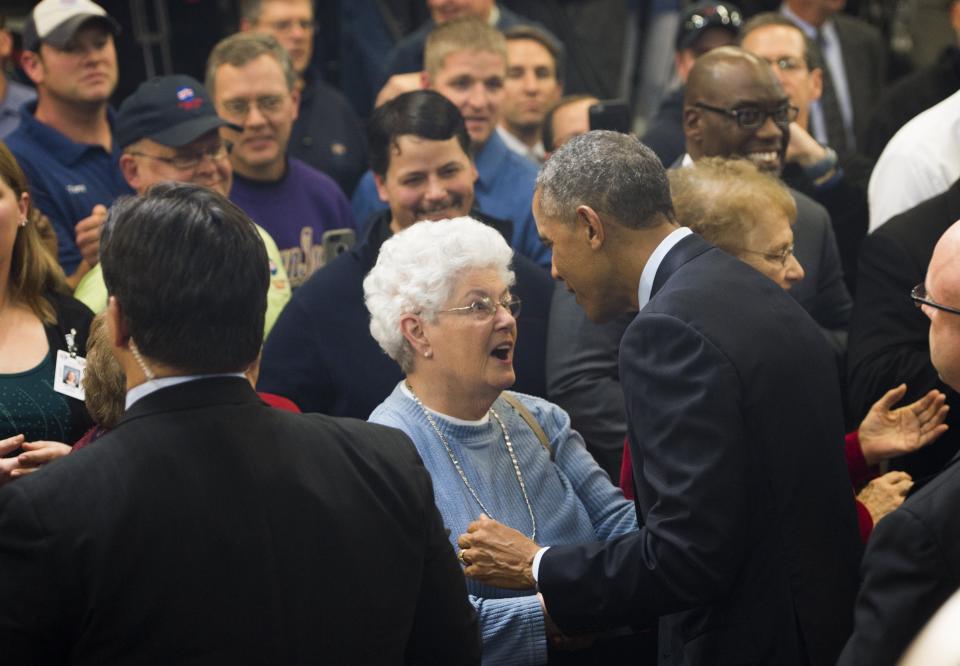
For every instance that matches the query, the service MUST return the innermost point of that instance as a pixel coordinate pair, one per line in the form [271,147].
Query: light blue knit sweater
[573,501]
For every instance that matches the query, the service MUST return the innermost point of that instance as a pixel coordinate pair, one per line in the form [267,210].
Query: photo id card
[68,375]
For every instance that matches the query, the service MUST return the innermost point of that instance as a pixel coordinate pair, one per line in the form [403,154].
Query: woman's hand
[497,555]
[885,493]
[9,465]
[36,454]
[887,433]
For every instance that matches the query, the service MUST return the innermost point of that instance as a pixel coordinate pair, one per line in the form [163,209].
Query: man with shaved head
[735,107]
[911,566]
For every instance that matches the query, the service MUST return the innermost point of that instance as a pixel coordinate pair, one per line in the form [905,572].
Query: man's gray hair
[243,47]
[417,271]
[613,173]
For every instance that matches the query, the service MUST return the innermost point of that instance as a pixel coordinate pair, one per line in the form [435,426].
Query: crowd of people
[479,379]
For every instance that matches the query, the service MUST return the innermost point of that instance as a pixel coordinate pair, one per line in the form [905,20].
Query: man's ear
[425,80]
[130,171]
[381,188]
[591,226]
[816,83]
[295,96]
[411,326]
[32,66]
[117,324]
[245,25]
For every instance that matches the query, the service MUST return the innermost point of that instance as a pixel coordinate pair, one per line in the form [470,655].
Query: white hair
[417,271]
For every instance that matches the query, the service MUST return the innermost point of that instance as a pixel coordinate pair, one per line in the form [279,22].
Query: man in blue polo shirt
[65,141]
[466,62]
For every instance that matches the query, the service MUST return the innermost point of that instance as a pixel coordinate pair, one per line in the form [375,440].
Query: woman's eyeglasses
[485,307]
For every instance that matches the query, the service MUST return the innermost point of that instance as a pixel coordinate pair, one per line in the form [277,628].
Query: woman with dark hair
[38,318]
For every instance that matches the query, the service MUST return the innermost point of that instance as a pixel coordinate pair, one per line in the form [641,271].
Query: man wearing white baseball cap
[65,140]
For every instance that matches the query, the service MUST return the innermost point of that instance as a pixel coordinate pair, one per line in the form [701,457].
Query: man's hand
[885,493]
[36,454]
[886,433]
[396,85]
[88,234]
[9,465]
[803,149]
[497,555]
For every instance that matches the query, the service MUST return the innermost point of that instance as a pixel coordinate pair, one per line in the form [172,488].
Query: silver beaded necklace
[463,476]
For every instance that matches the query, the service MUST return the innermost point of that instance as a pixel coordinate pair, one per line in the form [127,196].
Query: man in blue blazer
[749,548]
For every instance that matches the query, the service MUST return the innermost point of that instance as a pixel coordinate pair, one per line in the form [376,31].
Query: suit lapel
[686,249]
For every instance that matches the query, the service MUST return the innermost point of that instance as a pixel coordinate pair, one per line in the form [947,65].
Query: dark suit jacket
[208,528]
[911,567]
[865,62]
[730,393]
[888,335]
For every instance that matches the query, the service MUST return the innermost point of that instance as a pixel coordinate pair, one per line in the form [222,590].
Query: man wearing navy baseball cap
[168,130]
[65,141]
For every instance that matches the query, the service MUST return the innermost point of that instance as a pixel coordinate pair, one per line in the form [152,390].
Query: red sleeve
[857,467]
[626,473]
[864,521]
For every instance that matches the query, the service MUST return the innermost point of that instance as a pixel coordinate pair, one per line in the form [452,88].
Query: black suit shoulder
[911,567]
[205,505]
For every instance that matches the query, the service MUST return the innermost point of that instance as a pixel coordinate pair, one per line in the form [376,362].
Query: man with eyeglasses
[911,567]
[327,133]
[889,338]
[65,141]
[735,107]
[839,184]
[168,130]
[253,84]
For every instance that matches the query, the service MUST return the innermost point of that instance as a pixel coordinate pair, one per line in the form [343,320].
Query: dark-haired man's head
[187,276]
[420,157]
[534,81]
[734,106]
[791,55]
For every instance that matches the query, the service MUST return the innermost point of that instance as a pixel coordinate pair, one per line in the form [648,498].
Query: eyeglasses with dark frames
[753,117]
[919,296]
[485,307]
[193,160]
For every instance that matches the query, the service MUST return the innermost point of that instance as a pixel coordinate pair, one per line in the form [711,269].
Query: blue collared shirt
[16,96]
[67,179]
[504,189]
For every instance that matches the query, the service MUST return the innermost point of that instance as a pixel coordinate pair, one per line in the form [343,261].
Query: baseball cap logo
[187,99]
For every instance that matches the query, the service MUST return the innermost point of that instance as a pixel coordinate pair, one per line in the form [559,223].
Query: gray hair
[613,173]
[243,47]
[417,271]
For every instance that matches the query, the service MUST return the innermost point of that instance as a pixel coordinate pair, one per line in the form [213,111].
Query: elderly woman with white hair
[440,305]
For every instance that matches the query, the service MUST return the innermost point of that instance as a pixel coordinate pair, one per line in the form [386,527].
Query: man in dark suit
[912,563]
[742,558]
[888,336]
[207,527]
[855,67]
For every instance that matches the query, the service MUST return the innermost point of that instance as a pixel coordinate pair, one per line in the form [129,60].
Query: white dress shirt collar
[653,264]
[143,390]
